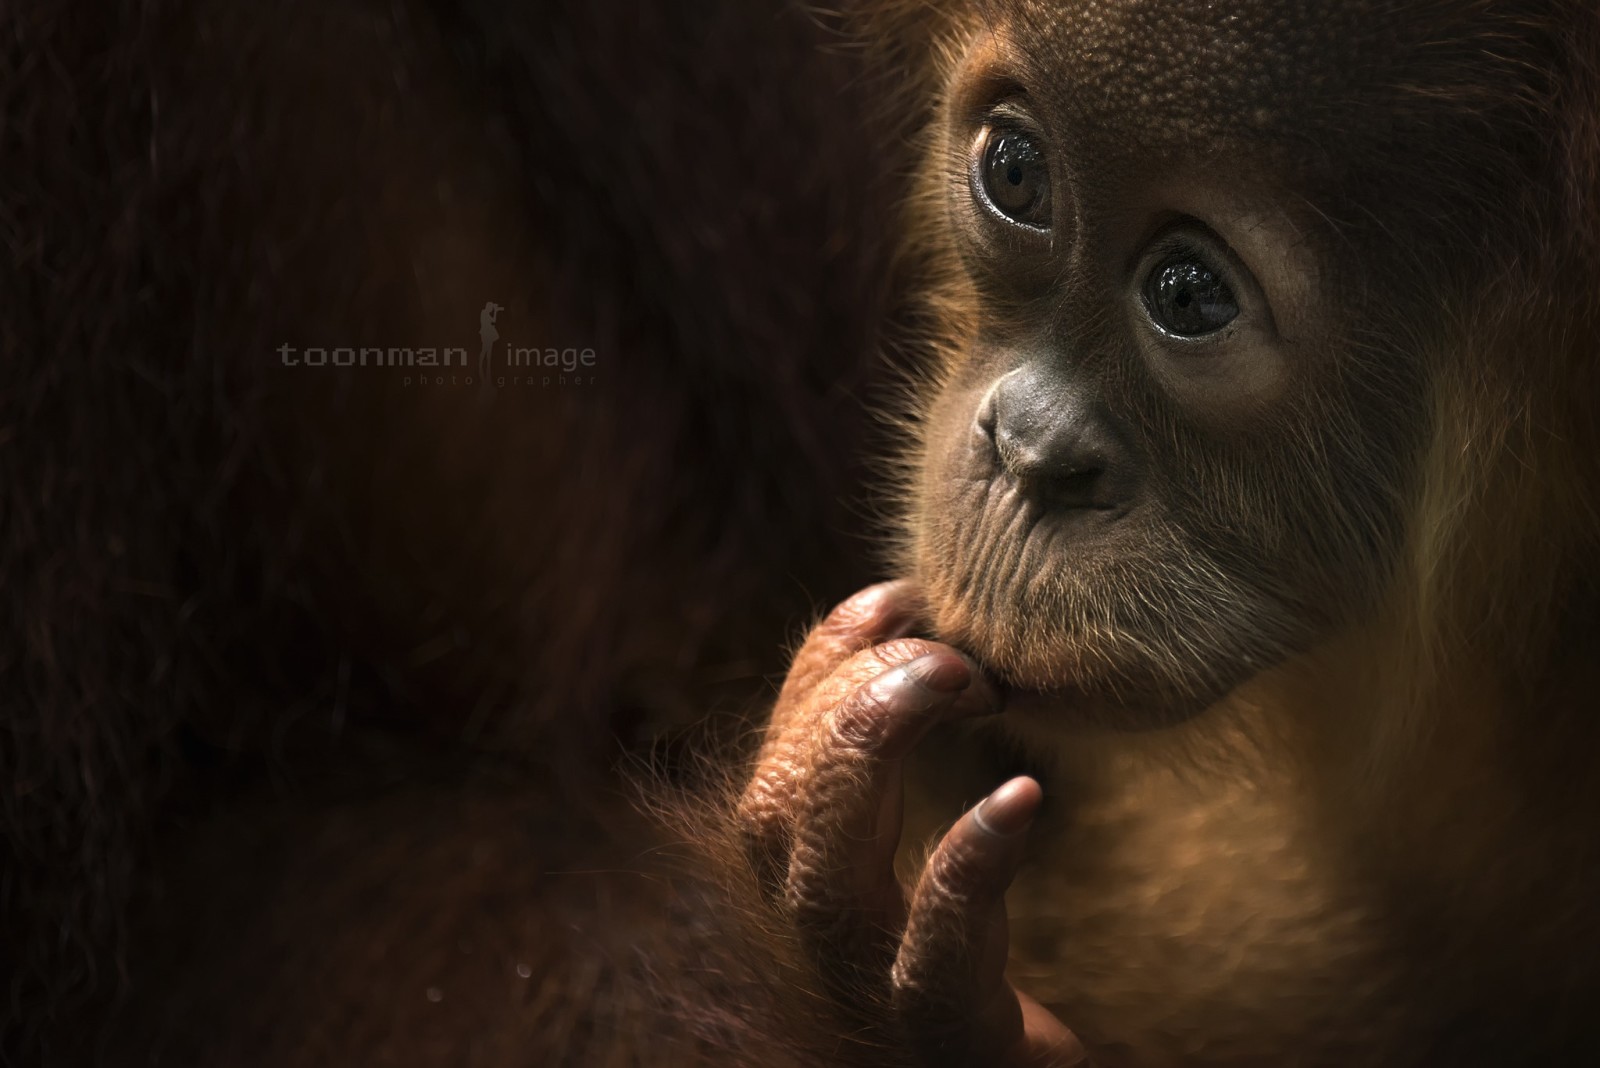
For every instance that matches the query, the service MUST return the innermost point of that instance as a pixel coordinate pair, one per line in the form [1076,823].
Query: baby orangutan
[1256,503]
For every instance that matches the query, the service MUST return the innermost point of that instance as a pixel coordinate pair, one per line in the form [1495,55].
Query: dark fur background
[269,630]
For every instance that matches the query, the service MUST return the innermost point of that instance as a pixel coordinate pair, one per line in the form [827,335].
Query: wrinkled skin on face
[1136,512]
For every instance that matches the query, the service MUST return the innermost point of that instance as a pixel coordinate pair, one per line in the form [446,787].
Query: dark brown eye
[1185,297]
[1015,177]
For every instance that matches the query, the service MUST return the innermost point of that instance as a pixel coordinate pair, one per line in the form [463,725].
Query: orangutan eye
[1187,298]
[1013,176]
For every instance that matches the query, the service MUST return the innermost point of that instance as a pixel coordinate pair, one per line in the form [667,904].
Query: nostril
[1015,456]
[988,416]
[1074,489]
[1066,478]
[1056,448]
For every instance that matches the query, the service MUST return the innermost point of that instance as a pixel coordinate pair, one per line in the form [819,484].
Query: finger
[845,724]
[1046,1042]
[949,985]
[874,615]
[841,884]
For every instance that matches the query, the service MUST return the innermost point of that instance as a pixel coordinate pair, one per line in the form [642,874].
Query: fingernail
[1010,809]
[940,673]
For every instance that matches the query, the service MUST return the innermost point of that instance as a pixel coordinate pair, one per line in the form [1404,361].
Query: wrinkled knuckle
[833,692]
[860,723]
[812,909]
[831,796]
[766,799]
[905,650]
[814,897]
[953,874]
[805,894]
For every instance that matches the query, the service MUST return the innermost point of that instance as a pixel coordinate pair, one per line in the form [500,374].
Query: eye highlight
[1012,174]
[1186,297]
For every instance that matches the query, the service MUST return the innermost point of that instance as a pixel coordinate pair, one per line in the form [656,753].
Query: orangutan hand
[822,815]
